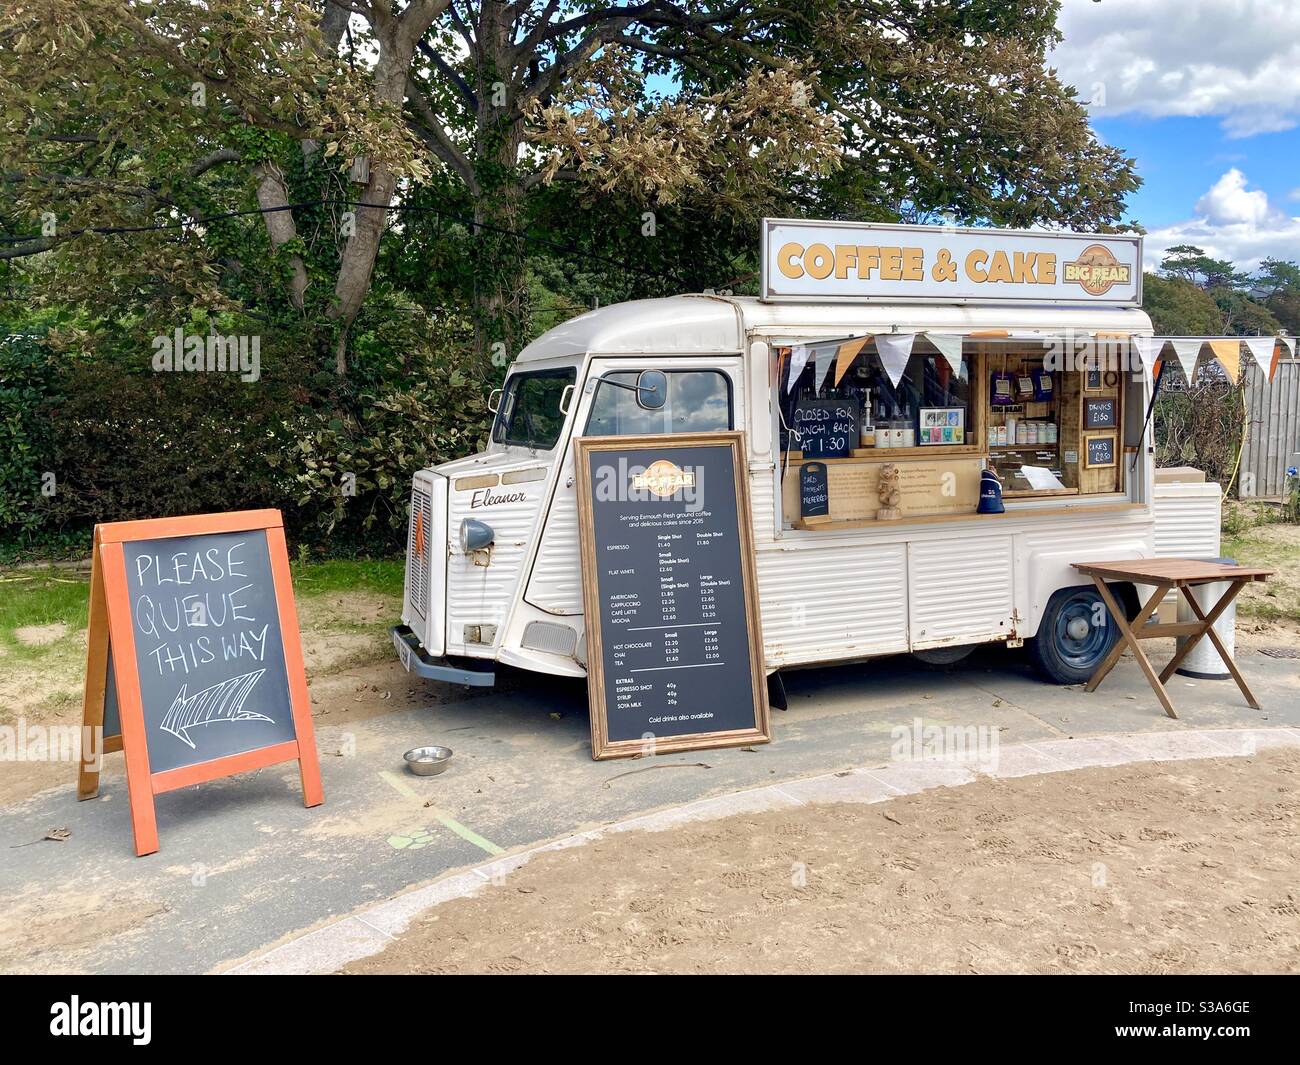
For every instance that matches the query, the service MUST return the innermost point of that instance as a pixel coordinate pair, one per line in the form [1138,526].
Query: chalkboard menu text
[1100,413]
[814,492]
[674,645]
[826,428]
[1100,451]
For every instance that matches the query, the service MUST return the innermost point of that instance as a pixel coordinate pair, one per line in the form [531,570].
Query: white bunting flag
[949,345]
[1186,351]
[798,360]
[895,349]
[824,356]
[1148,349]
[1261,350]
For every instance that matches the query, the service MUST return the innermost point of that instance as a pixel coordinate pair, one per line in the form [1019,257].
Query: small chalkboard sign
[674,644]
[814,491]
[1101,413]
[1100,451]
[195,662]
[827,428]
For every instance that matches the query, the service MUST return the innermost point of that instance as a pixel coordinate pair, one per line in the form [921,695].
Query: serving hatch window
[530,414]
[929,405]
[698,401]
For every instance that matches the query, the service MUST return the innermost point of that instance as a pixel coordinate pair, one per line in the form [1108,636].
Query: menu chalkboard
[1100,413]
[195,658]
[674,645]
[814,491]
[827,428]
[1101,451]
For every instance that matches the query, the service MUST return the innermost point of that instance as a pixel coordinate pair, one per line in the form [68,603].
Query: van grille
[417,562]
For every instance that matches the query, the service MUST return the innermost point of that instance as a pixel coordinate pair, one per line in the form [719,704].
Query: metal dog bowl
[427,761]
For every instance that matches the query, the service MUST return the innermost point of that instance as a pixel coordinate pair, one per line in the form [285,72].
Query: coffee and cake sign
[849,261]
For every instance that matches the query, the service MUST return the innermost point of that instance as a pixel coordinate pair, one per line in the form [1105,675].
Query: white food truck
[924,354]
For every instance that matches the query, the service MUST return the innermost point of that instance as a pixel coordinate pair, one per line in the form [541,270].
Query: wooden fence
[1272,430]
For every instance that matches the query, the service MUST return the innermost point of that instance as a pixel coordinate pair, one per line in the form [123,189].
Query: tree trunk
[500,304]
[397,38]
[273,197]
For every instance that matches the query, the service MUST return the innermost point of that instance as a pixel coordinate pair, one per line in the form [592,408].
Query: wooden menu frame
[602,747]
[110,621]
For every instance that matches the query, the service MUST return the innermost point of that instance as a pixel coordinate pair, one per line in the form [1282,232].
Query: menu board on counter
[674,644]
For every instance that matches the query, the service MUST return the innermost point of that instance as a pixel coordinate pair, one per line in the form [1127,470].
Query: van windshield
[530,414]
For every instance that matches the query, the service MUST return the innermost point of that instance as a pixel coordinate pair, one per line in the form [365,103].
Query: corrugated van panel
[833,603]
[960,591]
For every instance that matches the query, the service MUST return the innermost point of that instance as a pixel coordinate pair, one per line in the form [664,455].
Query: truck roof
[708,323]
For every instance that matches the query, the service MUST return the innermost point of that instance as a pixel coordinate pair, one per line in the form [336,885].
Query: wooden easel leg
[1149,608]
[1209,633]
[93,695]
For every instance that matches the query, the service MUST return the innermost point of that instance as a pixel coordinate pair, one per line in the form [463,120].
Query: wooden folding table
[1164,574]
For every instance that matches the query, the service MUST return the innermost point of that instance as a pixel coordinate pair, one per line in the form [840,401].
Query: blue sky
[1176,177]
[1205,94]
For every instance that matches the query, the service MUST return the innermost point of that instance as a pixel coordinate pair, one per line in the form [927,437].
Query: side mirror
[651,389]
[494,399]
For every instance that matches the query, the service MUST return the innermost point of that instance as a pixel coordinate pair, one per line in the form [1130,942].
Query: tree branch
[433,132]
[450,73]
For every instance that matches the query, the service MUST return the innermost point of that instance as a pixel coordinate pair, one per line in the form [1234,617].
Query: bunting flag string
[895,349]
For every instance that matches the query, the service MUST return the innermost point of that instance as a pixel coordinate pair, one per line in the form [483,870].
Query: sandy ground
[1153,868]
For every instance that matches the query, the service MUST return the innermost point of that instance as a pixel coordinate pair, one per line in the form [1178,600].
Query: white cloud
[1229,202]
[1232,222]
[1238,60]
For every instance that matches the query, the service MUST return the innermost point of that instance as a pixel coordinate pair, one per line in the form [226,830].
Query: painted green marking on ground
[446,820]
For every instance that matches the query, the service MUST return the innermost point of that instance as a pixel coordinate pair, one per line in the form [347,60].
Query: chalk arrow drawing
[221,702]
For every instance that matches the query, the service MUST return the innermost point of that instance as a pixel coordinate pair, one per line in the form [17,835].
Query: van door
[703,396]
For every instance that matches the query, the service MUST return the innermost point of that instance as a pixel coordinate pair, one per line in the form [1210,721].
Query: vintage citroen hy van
[1015,385]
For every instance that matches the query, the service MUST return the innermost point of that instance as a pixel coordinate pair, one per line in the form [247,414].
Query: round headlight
[475,535]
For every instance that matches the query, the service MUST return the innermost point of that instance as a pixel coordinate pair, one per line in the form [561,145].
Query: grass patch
[382,576]
[31,598]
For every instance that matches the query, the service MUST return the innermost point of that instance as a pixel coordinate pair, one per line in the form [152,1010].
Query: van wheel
[938,657]
[1075,634]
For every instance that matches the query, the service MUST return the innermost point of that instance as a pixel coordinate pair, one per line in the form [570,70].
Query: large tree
[701,109]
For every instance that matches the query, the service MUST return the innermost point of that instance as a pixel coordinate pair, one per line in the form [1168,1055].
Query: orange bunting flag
[1228,354]
[848,351]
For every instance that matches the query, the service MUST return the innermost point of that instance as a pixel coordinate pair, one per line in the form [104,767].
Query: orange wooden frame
[110,623]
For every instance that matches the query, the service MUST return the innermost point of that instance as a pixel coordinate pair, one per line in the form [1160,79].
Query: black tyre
[1076,633]
[942,657]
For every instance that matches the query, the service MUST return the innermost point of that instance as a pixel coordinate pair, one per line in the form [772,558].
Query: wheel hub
[1077,629]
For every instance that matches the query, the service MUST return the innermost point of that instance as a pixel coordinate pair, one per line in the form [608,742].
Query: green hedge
[335,454]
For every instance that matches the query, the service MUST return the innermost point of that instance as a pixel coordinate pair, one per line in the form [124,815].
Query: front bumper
[417,660]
